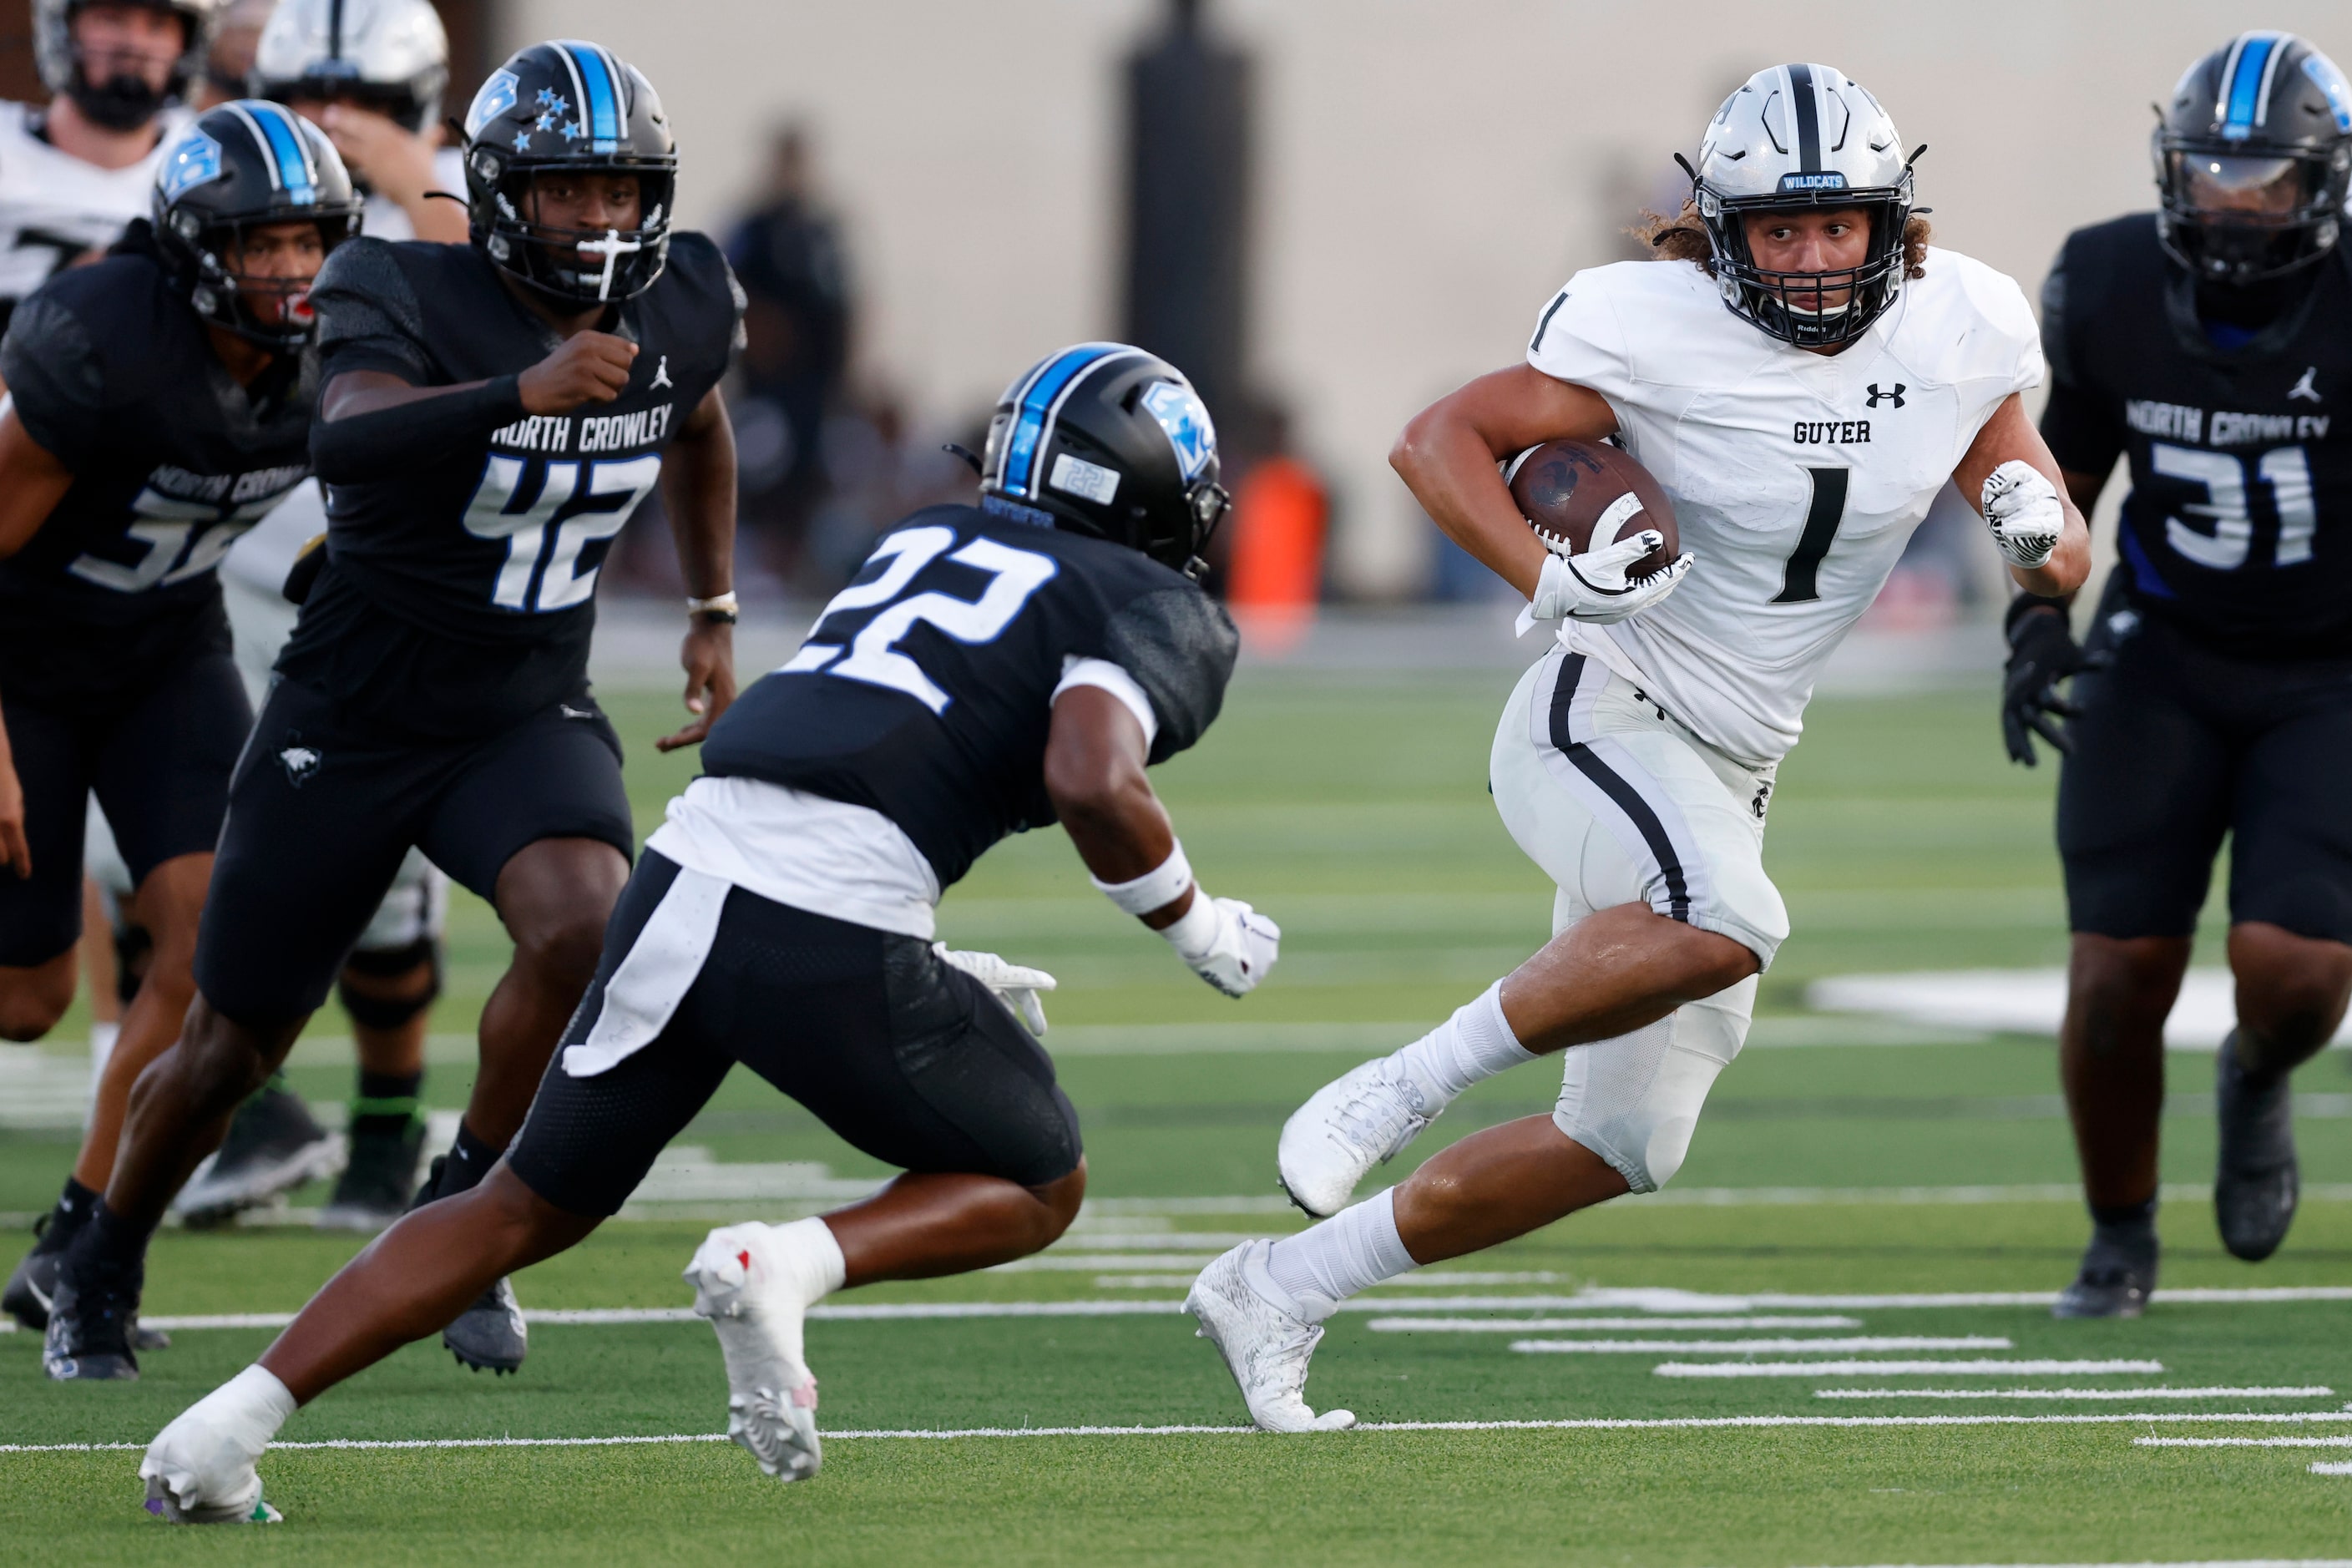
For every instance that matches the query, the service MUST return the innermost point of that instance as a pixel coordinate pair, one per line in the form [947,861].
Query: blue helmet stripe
[1029,421]
[2241,95]
[285,147]
[604,106]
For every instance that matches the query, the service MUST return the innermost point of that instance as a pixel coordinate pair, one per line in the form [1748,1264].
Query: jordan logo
[1895,397]
[661,374]
[2304,389]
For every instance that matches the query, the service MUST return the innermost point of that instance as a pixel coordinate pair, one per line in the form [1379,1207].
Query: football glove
[2042,653]
[2021,508]
[1226,942]
[1593,588]
[1016,986]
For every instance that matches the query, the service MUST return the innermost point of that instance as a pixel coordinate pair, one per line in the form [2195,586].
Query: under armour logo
[661,374]
[2304,389]
[1894,396]
[300,763]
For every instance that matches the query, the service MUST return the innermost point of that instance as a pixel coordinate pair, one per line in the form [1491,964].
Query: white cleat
[198,1474]
[1267,1346]
[741,1284]
[1359,1119]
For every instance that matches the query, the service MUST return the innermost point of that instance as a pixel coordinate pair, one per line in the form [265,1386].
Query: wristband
[1156,889]
[1194,933]
[719,607]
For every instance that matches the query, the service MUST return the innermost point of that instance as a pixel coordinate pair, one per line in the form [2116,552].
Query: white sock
[247,1410]
[1353,1250]
[807,1248]
[1472,1046]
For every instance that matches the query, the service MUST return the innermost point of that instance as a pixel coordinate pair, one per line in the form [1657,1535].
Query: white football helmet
[388,55]
[1805,136]
[118,104]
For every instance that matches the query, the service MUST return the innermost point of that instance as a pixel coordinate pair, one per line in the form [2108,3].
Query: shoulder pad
[55,377]
[364,297]
[1180,644]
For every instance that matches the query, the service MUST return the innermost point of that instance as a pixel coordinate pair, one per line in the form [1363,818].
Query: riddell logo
[1895,397]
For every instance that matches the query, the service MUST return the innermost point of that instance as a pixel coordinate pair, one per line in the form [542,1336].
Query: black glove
[2042,653]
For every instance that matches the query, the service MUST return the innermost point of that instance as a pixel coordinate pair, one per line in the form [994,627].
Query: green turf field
[1845,1168]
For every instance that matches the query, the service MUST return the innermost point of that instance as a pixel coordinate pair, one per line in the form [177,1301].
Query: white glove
[1226,943]
[1016,986]
[2020,506]
[1592,587]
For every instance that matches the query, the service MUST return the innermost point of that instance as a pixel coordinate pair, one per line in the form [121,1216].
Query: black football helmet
[568,105]
[1107,440]
[239,167]
[2252,156]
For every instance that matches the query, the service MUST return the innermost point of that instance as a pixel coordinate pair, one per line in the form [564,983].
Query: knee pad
[1635,1101]
[384,963]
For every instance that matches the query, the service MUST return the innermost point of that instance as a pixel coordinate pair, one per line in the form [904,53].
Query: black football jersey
[460,594]
[113,374]
[924,690]
[2239,523]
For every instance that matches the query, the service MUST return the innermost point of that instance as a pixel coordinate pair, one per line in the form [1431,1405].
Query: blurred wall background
[1424,173]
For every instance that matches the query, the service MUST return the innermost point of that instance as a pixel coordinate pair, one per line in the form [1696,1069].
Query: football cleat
[1356,1122]
[34,1281]
[91,1335]
[374,1189]
[2116,1281]
[274,1146]
[2255,1182]
[1266,1344]
[490,1336]
[197,1474]
[745,1290]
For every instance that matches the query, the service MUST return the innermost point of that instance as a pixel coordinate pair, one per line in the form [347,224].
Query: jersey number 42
[559,559]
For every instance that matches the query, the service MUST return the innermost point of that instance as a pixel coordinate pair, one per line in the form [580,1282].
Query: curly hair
[1683,237]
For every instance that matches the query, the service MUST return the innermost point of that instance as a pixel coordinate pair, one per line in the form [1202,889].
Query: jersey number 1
[873,654]
[1800,580]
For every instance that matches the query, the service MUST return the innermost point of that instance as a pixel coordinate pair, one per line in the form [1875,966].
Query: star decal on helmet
[546,122]
[523,140]
[572,130]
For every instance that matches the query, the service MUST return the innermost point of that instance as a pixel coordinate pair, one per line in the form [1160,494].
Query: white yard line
[2241,1442]
[2019,1368]
[2331,1468]
[1736,1347]
[1524,1325]
[2313,1392]
[1584,1424]
[2233,1562]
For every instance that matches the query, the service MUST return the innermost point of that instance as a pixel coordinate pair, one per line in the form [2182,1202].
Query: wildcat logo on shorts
[300,763]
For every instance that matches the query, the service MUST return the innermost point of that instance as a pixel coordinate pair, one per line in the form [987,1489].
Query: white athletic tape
[1897,1368]
[2313,1392]
[1735,1347]
[1581,1424]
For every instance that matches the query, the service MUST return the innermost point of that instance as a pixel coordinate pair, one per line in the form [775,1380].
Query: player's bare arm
[2028,498]
[698,488]
[1446,456]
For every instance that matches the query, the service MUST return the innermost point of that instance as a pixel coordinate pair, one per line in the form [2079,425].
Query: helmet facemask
[225,296]
[1810,310]
[2236,215]
[577,265]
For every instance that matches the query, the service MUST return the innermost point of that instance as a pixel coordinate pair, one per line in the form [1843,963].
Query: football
[1586,494]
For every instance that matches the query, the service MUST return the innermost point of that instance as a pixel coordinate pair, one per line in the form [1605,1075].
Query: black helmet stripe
[335,29]
[1809,118]
[282,150]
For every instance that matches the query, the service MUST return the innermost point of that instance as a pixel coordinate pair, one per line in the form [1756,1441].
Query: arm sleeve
[1579,339]
[368,315]
[1179,647]
[55,380]
[2081,428]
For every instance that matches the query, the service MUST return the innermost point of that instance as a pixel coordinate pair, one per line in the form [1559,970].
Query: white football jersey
[54,207]
[1796,478]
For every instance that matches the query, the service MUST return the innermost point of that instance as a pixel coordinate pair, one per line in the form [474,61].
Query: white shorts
[1621,804]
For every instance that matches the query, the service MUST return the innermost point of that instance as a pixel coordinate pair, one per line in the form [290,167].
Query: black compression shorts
[2179,746]
[322,812]
[908,1059]
[159,762]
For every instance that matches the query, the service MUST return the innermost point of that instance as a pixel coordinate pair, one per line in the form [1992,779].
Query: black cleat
[2116,1280]
[490,1335]
[2255,1180]
[35,1282]
[374,1188]
[91,1334]
[273,1146]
